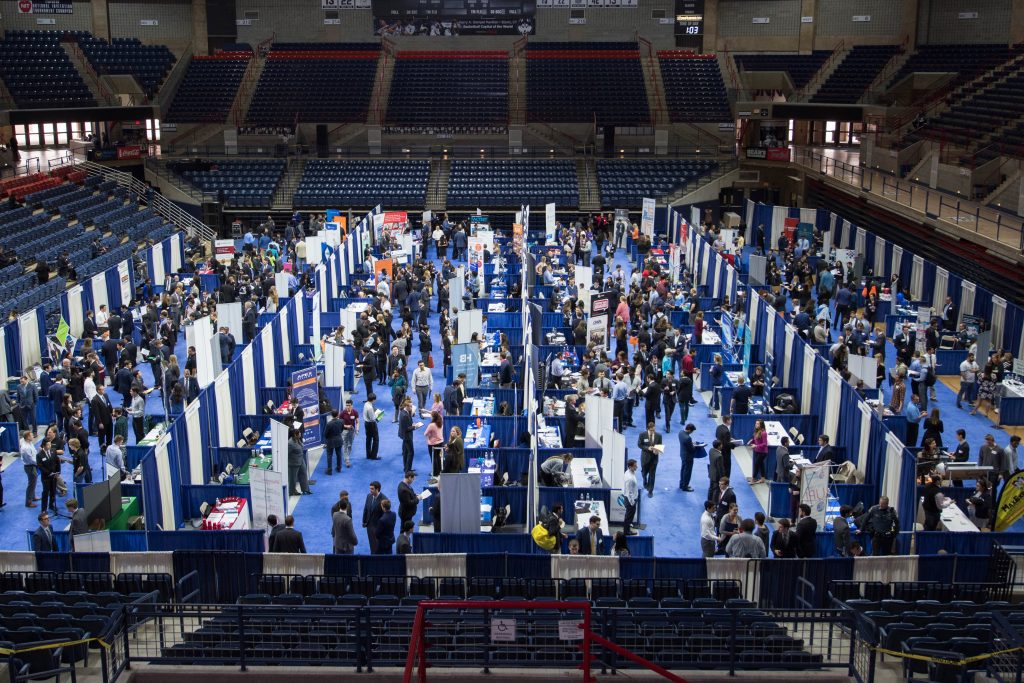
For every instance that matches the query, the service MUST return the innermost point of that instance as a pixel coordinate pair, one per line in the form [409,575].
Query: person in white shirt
[89,387]
[102,318]
[631,494]
[27,450]
[968,380]
[370,420]
[708,533]
[115,456]
[423,384]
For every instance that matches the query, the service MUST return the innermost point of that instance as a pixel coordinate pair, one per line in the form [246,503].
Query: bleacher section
[449,88]
[966,61]
[977,115]
[586,82]
[208,89]
[362,183]
[244,184]
[800,67]
[626,183]
[38,72]
[149,64]
[341,76]
[512,183]
[854,74]
[694,89]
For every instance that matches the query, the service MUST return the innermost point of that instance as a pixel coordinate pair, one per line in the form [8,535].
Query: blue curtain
[9,437]
[970,568]
[635,567]
[341,565]
[936,568]
[513,496]
[128,541]
[819,390]
[528,565]
[90,562]
[848,435]
[681,568]
[236,386]
[931,542]
[383,565]
[12,343]
[506,321]
[151,492]
[55,562]
[506,429]
[222,575]
[251,540]
[474,543]
[640,546]
[549,495]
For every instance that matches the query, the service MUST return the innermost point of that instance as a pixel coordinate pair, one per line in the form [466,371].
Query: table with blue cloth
[832,511]
[485,468]
[478,437]
[893,321]
[266,443]
[486,510]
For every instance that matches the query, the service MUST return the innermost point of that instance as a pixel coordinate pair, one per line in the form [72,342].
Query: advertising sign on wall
[399,18]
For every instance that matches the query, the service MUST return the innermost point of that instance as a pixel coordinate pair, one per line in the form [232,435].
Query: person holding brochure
[651,449]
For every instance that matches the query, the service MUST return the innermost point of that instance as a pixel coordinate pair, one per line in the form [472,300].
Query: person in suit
[405,432]
[48,464]
[408,501]
[332,442]
[275,528]
[226,340]
[783,463]
[716,469]
[385,530]
[42,537]
[687,452]
[591,538]
[371,514]
[288,539]
[404,546]
[783,543]
[572,421]
[297,466]
[191,386]
[104,412]
[248,323]
[806,527]
[649,456]
[342,530]
[28,395]
[723,499]
[79,522]
[949,314]
[724,435]
[110,350]
[825,452]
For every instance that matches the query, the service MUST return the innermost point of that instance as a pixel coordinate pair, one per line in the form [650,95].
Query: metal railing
[819,77]
[145,194]
[959,214]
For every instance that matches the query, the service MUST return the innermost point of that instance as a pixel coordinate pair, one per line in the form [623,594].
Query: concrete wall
[939,22]
[79,20]
[834,19]
[733,22]
[174,19]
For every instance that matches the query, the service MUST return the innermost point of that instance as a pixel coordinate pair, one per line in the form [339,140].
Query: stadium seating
[626,183]
[800,67]
[341,78]
[846,85]
[362,183]
[694,89]
[149,64]
[38,72]
[586,82]
[208,89]
[244,184]
[967,61]
[449,88]
[512,183]
[977,115]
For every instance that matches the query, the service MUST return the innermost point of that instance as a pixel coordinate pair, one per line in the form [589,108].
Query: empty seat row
[449,91]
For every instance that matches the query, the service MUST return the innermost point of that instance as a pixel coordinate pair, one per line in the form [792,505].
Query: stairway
[655,89]
[517,89]
[882,81]
[99,92]
[590,191]
[381,90]
[823,74]
[1007,195]
[549,137]
[243,100]
[437,186]
[285,192]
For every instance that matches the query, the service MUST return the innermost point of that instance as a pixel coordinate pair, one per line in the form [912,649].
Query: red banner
[129,152]
[777,154]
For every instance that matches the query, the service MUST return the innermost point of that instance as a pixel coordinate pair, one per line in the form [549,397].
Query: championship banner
[647,218]
[306,393]
[399,18]
[814,490]
[45,7]
[1011,502]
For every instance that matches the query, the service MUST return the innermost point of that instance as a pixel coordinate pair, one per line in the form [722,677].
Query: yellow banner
[1011,502]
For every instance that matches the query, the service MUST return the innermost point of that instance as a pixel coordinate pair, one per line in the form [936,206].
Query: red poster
[789,228]
[129,152]
[777,154]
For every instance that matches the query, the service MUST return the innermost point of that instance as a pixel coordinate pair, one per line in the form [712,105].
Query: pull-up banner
[306,393]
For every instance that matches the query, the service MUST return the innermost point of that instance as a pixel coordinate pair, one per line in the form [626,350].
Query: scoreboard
[689,17]
[454,17]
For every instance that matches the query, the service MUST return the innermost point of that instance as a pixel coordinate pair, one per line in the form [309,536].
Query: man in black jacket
[288,540]
[371,514]
[723,434]
[882,525]
[101,408]
[648,443]
[405,432]
[806,528]
[248,323]
[332,442]
[408,501]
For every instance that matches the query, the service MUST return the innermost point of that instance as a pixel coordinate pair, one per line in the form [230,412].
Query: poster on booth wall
[805,236]
[125,281]
[306,393]
[518,238]
[476,247]
[224,250]
[479,222]
[550,223]
[647,218]
[383,265]
[623,228]
[814,490]
[846,256]
[466,360]
[597,331]
[975,324]
[395,223]
[673,259]
[789,229]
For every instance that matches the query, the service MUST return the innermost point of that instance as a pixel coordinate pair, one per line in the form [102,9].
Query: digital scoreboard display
[454,17]
[690,17]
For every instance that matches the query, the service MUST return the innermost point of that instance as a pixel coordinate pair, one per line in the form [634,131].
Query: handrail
[817,80]
[245,88]
[87,68]
[651,69]
[889,69]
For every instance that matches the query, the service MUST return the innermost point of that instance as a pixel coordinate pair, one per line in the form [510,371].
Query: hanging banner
[550,223]
[125,280]
[814,490]
[466,359]
[647,218]
[305,392]
[789,229]
[597,331]
[224,250]
[1011,502]
[45,7]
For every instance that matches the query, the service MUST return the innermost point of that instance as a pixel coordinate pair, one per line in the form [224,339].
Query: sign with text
[814,490]
[458,18]
[466,359]
[306,393]
[45,7]
[129,152]
[647,218]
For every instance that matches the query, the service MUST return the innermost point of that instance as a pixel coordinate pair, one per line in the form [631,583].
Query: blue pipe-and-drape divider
[566,495]
[192,497]
[444,542]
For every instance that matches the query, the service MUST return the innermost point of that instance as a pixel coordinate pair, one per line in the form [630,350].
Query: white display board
[613,455]
[584,278]
[598,416]
[647,218]
[93,542]
[230,316]
[334,365]
[863,367]
[281,284]
[313,251]
[268,496]
[279,445]
[456,290]
[202,331]
[470,322]
[549,223]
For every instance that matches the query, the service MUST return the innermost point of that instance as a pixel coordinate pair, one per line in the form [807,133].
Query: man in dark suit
[783,543]
[191,386]
[248,323]
[591,538]
[405,432]
[42,538]
[101,408]
[275,528]
[506,375]
[385,530]
[342,532]
[724,497]
[227,346]
[89,328]
[110,350]
[724,435]
[825,451]
[407,499]
[288,540]
[649,456]
[79,521]
[806,527]
[949,315]
[452,406]
[371,514]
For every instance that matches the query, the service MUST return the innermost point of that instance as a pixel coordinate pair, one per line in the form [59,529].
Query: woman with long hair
[760,444]
[454,459]
[434,434]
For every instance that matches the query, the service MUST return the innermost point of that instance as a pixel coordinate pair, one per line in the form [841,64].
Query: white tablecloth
[586,508]
[585,473]
[775,433]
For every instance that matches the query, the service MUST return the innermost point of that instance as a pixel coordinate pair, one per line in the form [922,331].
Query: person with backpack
[547,534]
[882,524]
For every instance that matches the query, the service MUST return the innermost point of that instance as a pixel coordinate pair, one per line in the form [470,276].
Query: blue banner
[306,393]
[466,359]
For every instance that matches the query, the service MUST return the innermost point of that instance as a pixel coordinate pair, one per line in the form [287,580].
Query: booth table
[959,471]
[485,468]
[954,519]
[266,443]
[262,462]
[495,308]
[585,508]
[553,407]
[478,437]
[357,307]
[478,406]
[585,473]
[133,454]
[490,361]
[229,514]
[549,437]
[775,433]
[708,338]
[129,509]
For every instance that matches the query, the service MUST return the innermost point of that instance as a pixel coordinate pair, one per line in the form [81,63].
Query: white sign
[861,17]
[1018,367]
[125,280]
[267,490]
[761,20]
[344,4]
[570,629]
[647,218]
[967,15]
[549,222]
[814,490]
[503,630]
[806,20]
[149,22]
